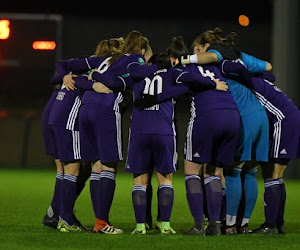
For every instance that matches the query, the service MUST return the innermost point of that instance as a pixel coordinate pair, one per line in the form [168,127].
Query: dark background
[77,29]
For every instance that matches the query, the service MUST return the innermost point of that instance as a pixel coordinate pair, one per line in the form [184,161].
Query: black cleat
[243,229]
[213,228]
[50,221]
[265,228]
[78,223]
[197,229]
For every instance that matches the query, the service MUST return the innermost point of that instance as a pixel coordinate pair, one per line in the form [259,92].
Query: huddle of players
[228,127]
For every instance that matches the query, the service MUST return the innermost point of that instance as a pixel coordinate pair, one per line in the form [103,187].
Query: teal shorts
[253,144]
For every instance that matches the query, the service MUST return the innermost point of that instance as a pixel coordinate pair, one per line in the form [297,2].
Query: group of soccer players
[234,107]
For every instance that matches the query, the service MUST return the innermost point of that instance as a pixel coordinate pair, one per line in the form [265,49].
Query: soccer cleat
[167,230]
[197,229]
[103,227]
[231,230]
[78,223]
[265,229]
[64,227]
[243,229]
[50,221]
[213,228]
[136,231]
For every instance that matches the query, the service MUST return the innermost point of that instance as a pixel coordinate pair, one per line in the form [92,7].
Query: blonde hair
[109,47]
[134,43]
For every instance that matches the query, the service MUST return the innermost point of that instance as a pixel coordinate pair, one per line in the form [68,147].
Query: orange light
[4,29]
[243,20]
[44,45]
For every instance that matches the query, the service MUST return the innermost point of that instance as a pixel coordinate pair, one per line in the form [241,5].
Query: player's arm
[235,70]
[82,64]
[113,82]
[139,71]
[203,58]
[147,101]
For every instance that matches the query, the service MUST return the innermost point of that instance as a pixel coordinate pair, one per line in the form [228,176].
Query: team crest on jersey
[141,61]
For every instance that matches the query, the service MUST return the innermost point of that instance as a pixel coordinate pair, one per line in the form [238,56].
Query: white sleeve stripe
[177,79]
[87,62]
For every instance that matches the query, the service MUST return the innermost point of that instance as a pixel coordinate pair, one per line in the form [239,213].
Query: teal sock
[233,190]
[251,191]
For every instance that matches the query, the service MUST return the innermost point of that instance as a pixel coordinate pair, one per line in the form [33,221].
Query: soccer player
[51,217]
[200,151]
[253,143]
[284,118]
[152,137]
[100,127]
[63,118]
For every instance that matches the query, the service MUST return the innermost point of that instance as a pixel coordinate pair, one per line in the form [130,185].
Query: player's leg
[214,195]
[108,139]
[194,194]
[280,217]
[68,197]
[52,215]
[250,193]
[69,153]
[107,184]
[272,197]
[233,196]
[165,201]
[223,207]
[139,201]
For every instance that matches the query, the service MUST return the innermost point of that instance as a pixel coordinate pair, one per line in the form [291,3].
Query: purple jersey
[66,105]
[211,99]
[118,68]
[157,119]
[271,97]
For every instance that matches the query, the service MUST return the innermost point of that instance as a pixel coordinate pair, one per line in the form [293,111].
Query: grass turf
[26,194]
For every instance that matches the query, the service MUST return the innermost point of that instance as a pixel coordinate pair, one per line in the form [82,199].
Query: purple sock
[68,198]
[272,198]
[165,201]
[280,218]
[139,201]
[107,190]
[55,204]
[214,194]
[194,196]
[94,191]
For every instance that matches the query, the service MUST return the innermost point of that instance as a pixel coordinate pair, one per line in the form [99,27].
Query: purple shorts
[146,151]
[286,137]
[68,144]
[100,133]
[212,137]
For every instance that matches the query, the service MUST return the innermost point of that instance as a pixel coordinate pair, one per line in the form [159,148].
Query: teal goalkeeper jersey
[245,100]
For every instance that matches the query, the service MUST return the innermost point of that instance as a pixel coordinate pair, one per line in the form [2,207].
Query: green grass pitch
[26,194]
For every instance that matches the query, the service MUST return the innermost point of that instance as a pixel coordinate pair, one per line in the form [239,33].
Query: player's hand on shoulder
[146,101]
[220,85]
[69,82]
[101,88]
